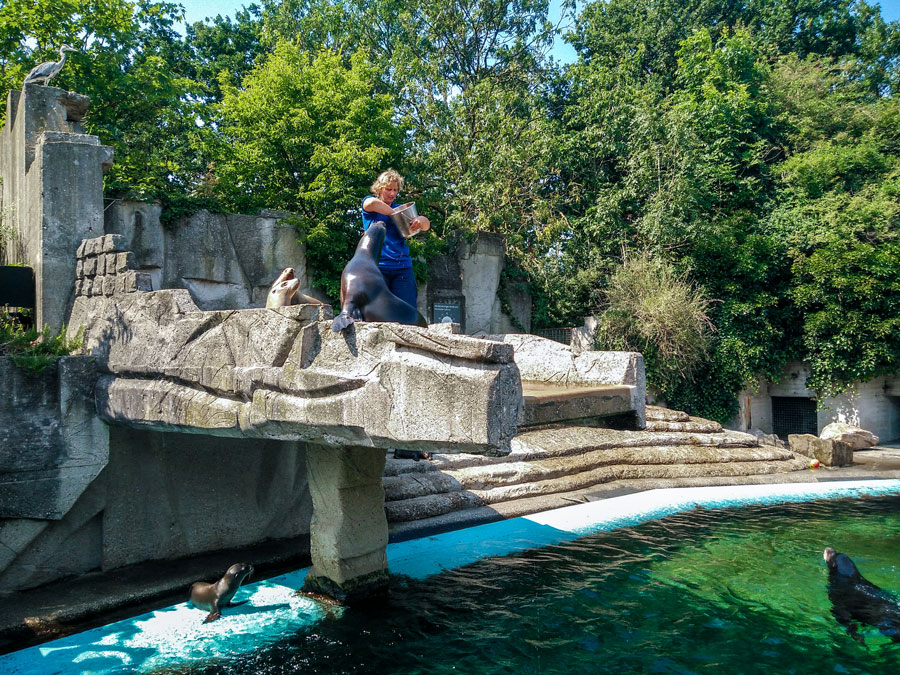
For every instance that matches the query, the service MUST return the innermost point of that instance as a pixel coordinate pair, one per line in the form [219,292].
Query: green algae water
[737,590]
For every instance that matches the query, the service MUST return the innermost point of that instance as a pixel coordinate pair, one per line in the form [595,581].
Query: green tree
[839,213]
[131,64]
[307,134]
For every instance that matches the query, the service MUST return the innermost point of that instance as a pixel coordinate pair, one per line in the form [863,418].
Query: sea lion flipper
[237,604]
[212,616]
[341,321]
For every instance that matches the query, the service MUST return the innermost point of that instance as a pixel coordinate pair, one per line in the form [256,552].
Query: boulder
[828,451]
[856,438]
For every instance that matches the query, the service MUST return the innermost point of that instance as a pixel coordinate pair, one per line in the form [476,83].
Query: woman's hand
[420,224]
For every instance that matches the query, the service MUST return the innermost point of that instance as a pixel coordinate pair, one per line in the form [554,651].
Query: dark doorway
[794,415]
[17,293]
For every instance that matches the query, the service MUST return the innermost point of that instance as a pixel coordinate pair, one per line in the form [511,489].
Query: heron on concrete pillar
[44,72]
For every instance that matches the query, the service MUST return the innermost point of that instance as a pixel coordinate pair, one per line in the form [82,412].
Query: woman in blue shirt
[395,263]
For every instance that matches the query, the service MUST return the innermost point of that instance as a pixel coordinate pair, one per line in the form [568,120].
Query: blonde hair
[384,179]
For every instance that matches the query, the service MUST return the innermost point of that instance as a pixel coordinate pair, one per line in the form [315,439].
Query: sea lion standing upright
[855,600]
[364,293]
[214,597]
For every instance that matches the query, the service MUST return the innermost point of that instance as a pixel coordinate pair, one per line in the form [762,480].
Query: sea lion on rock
[214,597]
[364,293]
[855,600]
[284,292]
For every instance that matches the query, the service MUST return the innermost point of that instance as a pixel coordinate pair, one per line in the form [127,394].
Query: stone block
[142,282]
[124,262]
[79,269]
[90,266]
[109,285]
[129,281]
[349,532]
[550,404]
[80,251]
[94,246]
[111,262]
[101,264]
[444,328]
[113,243]
[829,452]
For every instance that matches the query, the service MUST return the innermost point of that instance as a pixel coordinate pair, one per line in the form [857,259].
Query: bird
[46,71]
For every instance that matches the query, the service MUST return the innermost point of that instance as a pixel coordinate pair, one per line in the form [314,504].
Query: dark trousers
[401,283]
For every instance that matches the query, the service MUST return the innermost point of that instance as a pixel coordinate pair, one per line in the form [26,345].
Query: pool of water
[725,590]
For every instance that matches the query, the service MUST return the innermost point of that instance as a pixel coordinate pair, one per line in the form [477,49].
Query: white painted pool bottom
[177,635]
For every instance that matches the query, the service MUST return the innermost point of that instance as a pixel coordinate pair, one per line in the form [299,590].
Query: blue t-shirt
[395,252]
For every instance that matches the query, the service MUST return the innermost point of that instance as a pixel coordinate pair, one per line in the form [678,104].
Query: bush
[31,350]
[652,309]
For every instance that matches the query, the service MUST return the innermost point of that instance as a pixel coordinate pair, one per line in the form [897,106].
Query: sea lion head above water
[857,601]
[840,564]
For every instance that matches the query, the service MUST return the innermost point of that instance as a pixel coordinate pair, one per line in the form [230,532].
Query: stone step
[533,469]
[571,440]
[479,515]
[431,505]
[695,425]
[658,414]
[552,403]
[551,460]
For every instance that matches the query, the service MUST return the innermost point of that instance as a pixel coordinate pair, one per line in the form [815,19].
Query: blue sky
[197,10]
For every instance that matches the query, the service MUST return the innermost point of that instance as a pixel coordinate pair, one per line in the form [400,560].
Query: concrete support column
[52,192]
[349,531]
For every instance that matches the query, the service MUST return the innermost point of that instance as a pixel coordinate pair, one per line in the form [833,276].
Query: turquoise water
[731,590]
[715,591]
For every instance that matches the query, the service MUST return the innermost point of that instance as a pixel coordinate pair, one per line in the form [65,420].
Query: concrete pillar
[52,193]
[349,531]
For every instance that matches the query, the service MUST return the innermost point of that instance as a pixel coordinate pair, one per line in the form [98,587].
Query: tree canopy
[747,151]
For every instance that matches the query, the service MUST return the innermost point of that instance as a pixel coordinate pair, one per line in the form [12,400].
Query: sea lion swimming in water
[364,293]
[214,597]
[855,600]
[284,292]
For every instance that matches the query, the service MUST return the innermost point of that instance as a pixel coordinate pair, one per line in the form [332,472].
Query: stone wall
[52,444]
[226,261]
[229,261]
[872,405]
[470,276]
[165,497]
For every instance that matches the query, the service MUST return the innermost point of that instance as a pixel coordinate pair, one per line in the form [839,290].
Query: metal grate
[563,335]
[794,415]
